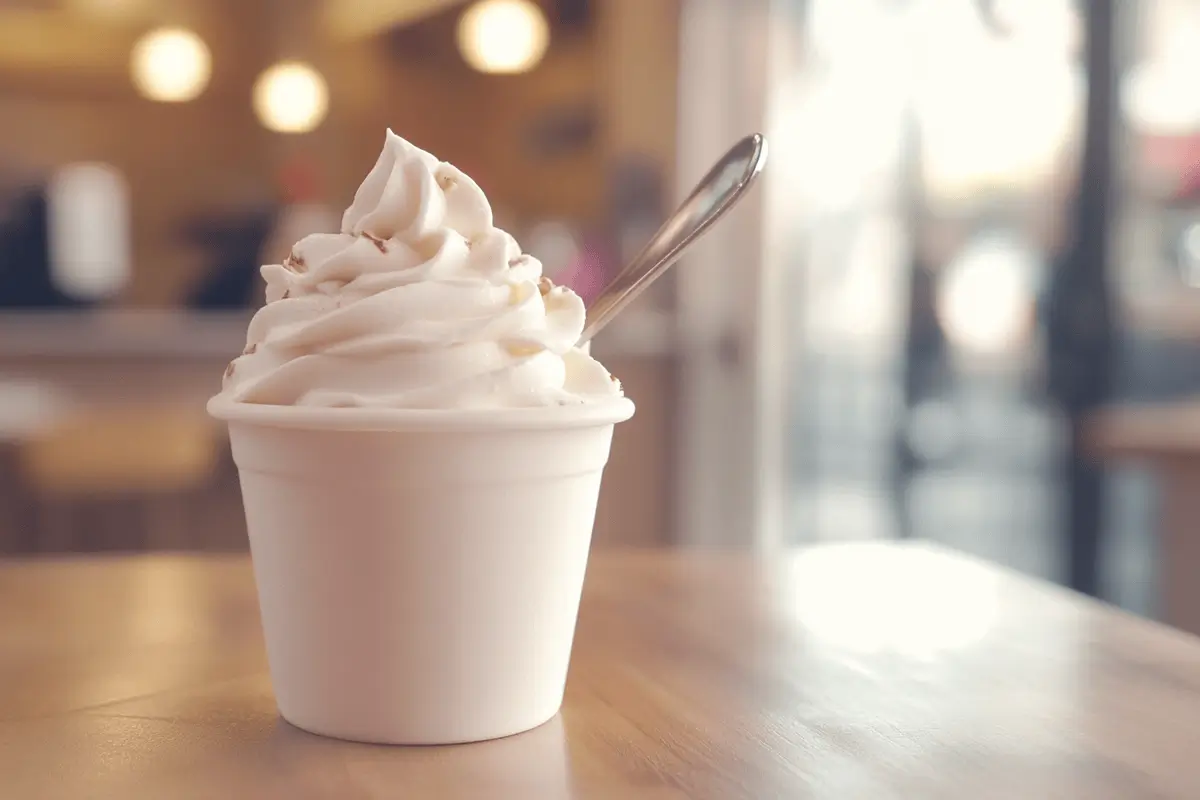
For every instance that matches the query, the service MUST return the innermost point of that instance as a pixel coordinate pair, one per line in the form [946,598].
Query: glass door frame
[733,326]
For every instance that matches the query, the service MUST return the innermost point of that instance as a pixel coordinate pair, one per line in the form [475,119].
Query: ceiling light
[291,97]
[171,65]
[503,36]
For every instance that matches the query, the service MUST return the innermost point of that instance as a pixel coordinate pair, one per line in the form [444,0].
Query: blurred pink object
[588,273]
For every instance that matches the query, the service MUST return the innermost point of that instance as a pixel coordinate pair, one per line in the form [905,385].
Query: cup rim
[603,412]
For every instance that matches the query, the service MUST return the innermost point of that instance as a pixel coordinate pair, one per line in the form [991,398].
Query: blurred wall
[211,155]
[69,98]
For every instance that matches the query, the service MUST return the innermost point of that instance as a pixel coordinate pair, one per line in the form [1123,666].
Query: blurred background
[963,306]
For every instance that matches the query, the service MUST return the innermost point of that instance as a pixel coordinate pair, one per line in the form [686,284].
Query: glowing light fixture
[503,36]
[1158,94]
[1053,25]
[986,298]
[1006,126]
[291,97]
[171,65]
[1160,99]
[847,30]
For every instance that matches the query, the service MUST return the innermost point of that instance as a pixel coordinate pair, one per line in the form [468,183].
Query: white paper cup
[419,572]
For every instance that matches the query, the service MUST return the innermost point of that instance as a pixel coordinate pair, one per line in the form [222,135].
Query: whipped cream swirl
[419,302]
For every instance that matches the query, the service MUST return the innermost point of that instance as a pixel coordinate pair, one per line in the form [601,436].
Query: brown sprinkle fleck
[294,263]
[375,240]
[286,294]
[545,285]
[250,350]
[523,350]
[446,181]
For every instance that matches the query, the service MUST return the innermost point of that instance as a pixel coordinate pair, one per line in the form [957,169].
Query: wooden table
[1165,438]
[852,671]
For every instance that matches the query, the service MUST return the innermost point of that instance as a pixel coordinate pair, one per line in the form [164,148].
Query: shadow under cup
[419,572]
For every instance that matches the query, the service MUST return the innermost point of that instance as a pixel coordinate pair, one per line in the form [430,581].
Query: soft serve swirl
[419,302]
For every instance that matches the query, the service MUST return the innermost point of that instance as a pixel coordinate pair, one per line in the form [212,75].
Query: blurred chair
[143,460]
[26,407]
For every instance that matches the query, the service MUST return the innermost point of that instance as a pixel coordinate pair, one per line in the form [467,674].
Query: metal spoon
[718,192]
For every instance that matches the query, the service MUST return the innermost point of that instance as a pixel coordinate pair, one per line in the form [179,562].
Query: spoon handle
[718,192]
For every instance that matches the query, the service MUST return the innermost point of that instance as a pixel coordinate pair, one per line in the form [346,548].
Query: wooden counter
[853,671]
[95,371]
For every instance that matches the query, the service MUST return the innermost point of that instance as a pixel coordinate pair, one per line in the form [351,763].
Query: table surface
[850,671]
